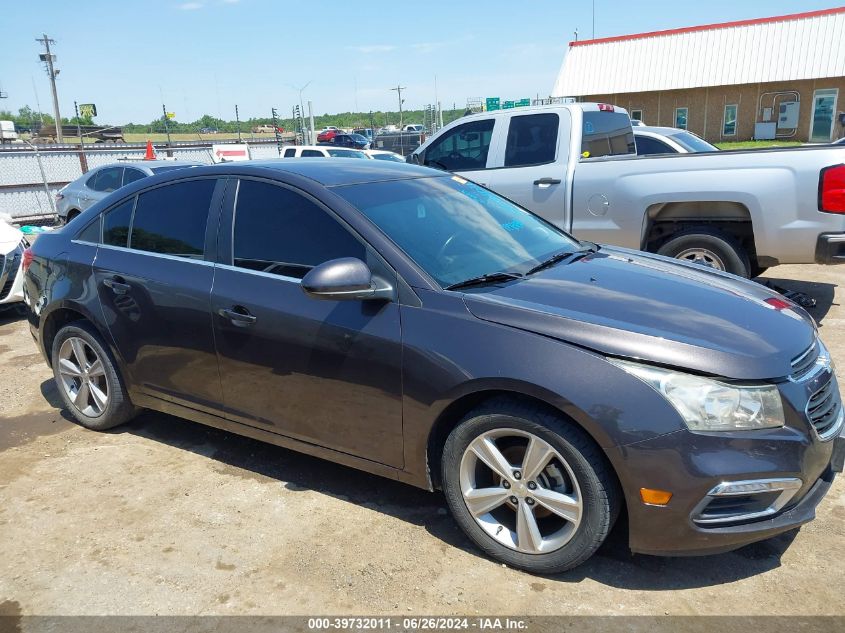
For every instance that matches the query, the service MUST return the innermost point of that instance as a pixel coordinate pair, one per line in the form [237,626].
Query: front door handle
[238,315]
[547,181]
[117,285]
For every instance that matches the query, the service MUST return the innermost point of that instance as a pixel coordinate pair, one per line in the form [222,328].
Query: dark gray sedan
[413,324]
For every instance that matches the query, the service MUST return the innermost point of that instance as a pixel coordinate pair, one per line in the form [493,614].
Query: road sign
[492,103]
[523,102]
[87,109]
[230,152]
[507,105]
[171,115]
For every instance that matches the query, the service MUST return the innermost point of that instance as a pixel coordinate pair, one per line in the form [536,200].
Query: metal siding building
[734,71]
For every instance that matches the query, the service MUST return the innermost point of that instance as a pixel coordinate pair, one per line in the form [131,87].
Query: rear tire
[549,520]
[71,214]
[708,247]
[88,380]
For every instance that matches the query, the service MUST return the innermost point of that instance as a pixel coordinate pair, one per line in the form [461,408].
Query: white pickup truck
[576,165]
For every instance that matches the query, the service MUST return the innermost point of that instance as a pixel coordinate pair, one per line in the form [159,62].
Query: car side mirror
[415,158]
[346,278]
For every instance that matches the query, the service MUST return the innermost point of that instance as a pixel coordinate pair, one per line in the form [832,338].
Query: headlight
[710,405]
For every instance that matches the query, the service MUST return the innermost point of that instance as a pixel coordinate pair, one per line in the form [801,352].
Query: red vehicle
[327,135]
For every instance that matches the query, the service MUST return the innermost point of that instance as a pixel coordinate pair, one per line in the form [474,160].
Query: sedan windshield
[456,230]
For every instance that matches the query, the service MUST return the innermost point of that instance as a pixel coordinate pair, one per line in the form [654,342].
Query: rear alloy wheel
[709,248]
[529,488]
[87,378]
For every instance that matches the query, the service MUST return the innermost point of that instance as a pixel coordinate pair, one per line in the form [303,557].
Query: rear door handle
[117,285]
[238,315]
[547,181]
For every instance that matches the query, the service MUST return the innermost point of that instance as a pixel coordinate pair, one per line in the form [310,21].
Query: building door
[824,109]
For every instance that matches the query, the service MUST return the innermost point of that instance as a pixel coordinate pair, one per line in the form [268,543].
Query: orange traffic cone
[150,155]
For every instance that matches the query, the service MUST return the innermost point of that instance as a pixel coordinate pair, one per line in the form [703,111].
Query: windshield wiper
[586,248]
[485,279]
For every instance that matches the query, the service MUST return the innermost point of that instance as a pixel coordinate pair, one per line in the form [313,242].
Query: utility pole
[311,124]
[78,126]
[48,58]
[399,90]
[238,122]
[166,128]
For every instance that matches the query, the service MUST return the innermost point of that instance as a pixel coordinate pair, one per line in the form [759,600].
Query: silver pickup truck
[576,165]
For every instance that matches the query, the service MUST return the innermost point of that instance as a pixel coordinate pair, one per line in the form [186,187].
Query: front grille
[824,408]
[803,363]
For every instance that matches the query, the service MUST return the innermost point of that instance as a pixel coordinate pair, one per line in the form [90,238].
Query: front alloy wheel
[529,486]
[520,491]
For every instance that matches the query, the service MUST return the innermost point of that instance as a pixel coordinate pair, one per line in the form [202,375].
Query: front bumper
[830,248]
[692,465]
[11,276]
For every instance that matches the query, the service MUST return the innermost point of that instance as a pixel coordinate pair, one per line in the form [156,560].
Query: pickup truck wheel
[708,248]
[530,489]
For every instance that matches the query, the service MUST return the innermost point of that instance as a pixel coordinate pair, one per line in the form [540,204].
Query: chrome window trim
[175,258]
[260,273]
[788,486]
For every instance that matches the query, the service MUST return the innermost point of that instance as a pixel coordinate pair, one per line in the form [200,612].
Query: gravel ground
[164,516]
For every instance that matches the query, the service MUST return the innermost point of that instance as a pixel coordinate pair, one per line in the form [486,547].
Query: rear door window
[172,219]
[532,140]
[290,152]
[462,148]
[607,134]
[107,180]
[312,153]
[116,223]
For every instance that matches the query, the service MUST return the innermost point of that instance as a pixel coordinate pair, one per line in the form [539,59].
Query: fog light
[739,501]
[653,497]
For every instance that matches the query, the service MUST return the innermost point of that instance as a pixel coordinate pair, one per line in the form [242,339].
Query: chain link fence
[25,194]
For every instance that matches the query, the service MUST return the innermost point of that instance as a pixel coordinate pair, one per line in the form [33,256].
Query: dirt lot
[166,516]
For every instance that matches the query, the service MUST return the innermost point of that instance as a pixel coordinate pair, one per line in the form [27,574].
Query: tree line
[27,117]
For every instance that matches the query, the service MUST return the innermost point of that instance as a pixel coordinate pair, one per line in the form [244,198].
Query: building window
[637,115]
[729,124]
[681,118]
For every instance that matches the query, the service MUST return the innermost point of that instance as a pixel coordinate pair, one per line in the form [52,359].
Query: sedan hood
[640,306]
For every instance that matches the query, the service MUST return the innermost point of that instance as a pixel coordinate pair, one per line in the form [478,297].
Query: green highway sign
[492,103]
[523,102]
[507,105]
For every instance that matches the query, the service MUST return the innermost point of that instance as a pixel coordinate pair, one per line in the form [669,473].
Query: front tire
[529,488]
[87,378]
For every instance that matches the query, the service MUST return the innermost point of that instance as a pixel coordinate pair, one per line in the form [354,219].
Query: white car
[321,151]
[11,261]
[414,127]
[669,140]
[381,154]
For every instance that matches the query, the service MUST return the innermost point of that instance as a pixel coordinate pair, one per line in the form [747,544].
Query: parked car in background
[355,141]
[96,184]
[266,129]
[12,248]
[208,130]
[366,132]
[327,135]
[8,134]
[380,154]
[720,209]
[320,151]
[417,326]
[840,141]
[414,127]
[669,140]
[636,123]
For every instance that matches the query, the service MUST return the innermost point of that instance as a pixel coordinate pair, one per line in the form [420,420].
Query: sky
[205,56]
